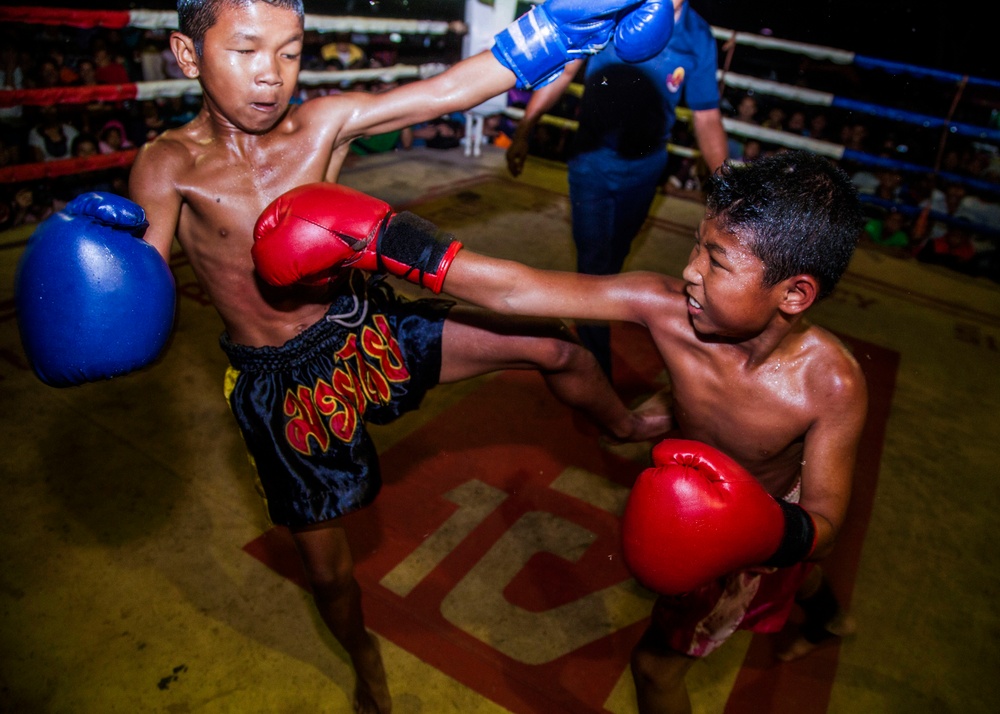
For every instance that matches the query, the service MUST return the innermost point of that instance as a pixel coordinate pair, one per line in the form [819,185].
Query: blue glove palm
[94,300]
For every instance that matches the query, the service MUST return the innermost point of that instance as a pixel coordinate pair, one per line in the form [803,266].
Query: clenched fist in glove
[94,299]
[697,515]
[537,45]
[312,233]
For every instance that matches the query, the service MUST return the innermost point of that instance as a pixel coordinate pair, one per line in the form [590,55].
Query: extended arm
[510,287]
[528,53]
[464,85]
[311,233]
[711,137]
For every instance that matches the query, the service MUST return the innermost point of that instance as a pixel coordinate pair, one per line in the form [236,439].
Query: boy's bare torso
[757,413]
[224,183]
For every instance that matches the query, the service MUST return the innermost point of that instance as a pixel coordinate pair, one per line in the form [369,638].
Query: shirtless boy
[750,376]
[344,348]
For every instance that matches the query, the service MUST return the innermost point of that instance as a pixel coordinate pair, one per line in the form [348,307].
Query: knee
[562,351]
[330,580]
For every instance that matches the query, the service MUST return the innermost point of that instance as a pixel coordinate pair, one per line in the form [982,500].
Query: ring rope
[167,20]
[819,52]
[167,88]
[152,19]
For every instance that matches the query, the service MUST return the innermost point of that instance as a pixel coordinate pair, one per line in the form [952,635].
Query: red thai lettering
[337,407]
[304,421]
[342,414]
[384,349]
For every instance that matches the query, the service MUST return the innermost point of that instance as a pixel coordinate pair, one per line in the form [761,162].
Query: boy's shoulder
[832,368]
[173,145]
[167,154]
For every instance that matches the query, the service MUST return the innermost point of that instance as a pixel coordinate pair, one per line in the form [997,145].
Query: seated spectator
[67,75]
[951,203]
[85,145]
[30,205]
[151,122]
[796,123]
[854,136]
[12,76]
[752,149]
[151,59]
[775,118]
[343,54]
[890,183]
[819,127]
[865,180]
[87,72]
[888,232]
[10,152]
[955,249]
[442,133]
[113,137]
[746,111]
[51,138]
[109,69]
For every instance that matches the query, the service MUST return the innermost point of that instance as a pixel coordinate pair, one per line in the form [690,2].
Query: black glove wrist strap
[800,535]
[414,242]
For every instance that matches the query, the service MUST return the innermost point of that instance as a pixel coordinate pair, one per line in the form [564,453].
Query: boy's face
[250,64]
[725,286]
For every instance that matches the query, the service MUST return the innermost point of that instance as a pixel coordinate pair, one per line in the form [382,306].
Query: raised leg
[477,342]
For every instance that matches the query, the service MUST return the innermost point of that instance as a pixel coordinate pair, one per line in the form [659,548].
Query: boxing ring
[482,21]
[524,650]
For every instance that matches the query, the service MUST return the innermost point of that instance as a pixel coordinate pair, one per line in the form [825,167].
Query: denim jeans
[610,199]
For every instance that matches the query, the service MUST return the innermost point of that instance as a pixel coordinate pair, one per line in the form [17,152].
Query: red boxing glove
[311,233]
[698,515]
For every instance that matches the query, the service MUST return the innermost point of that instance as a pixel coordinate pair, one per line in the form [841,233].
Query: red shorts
[756,599]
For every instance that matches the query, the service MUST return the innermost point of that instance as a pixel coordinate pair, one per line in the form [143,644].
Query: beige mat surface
[124,586]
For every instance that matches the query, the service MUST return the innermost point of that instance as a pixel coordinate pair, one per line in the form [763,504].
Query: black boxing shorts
[303,407]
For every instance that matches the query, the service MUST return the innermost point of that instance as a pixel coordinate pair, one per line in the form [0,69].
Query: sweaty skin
[749,375]
[208,181]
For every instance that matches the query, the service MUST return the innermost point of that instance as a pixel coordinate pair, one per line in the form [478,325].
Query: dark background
[951,35]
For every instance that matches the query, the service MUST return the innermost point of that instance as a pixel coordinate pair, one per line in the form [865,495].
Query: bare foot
[841,626]
[650,421]
[371,692]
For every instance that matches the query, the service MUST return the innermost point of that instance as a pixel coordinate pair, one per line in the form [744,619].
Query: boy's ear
[187,58]
[799,293]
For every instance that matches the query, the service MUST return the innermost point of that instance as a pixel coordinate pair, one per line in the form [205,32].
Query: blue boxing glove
[537,45]
[643,33]
[94,300]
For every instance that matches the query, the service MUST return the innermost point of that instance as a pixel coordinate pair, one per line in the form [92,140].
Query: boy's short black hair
[797,211]
[195,17]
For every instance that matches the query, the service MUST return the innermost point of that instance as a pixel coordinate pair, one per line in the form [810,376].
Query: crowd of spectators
[54,57]
[922,201]
[915,214]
